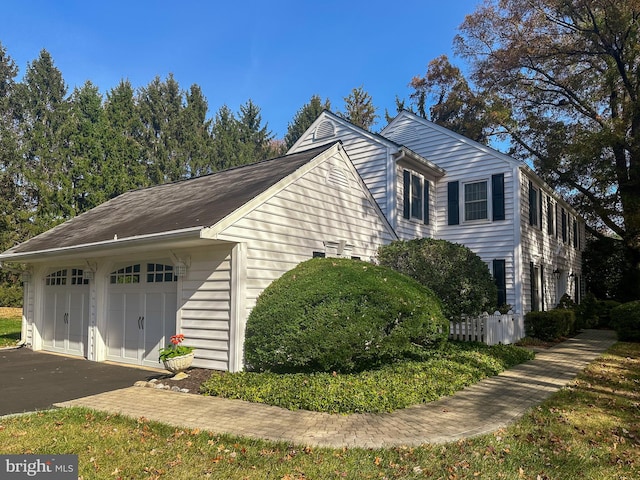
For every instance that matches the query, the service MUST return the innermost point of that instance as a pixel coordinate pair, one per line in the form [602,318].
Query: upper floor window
[550,217]
[564,226]
[475,201]
[415,196]
[475,198]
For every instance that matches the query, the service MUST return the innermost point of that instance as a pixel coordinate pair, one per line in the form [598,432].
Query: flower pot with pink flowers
[177,357]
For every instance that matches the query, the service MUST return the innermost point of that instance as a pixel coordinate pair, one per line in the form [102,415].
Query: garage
[141,312]
[191,257]
[66,312]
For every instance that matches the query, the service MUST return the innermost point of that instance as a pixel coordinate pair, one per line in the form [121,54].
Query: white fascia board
[149,239]
[408,157]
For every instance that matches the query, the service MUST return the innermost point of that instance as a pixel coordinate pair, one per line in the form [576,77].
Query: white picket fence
[490,329]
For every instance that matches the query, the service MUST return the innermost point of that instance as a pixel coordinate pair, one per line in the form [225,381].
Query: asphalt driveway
[36,380]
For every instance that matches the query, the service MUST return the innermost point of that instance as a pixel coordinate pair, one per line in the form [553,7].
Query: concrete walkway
[481,408]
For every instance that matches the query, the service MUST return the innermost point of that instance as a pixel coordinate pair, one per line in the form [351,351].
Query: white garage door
[141,313]
[66,312]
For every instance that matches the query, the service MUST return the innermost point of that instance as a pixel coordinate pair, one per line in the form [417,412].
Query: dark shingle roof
[198,202]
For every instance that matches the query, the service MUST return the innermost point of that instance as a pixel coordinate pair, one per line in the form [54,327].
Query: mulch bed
[197,376]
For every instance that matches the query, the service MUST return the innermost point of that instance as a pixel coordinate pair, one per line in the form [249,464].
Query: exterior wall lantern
[180,270]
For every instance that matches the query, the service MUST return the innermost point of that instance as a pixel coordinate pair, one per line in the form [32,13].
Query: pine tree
[304,118]
[11,195]
[124,167]
[160,107]
[359,108]
[195,140]
[43,113]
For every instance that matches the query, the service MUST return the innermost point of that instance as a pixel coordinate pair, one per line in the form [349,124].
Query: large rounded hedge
[341,315]
[456,274]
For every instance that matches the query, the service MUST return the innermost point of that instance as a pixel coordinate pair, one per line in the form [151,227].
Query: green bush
[587,312]
[341,315]
[457,275]
[592,312]
[625,320]
[10,295]
[605,308]
[551,325]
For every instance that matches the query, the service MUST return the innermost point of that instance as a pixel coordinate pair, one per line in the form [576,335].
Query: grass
[590,430]
[10,325]
[389,388]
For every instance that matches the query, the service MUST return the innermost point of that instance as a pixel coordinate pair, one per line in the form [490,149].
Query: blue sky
[278,53]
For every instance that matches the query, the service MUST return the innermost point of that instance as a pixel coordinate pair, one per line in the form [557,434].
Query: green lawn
[9,331]
[590,430]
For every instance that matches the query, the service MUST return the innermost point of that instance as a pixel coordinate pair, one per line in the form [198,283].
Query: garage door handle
[139,322]
[66,318]
[142,322]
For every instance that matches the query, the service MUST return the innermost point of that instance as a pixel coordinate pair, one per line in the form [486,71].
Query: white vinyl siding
[204,304]
[297,221]
[547,251]
[368,154]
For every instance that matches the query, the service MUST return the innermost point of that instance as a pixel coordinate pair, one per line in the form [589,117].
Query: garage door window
[77,277]
[155,273]
[129,274]
[159,273]
[57,278]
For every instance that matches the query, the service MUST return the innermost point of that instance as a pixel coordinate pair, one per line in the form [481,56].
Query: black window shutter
[532,280]
[542,287]
[406,177]
[532,204]
[500,276]
[454,208]
[425,200]
[540,209]
[497,193]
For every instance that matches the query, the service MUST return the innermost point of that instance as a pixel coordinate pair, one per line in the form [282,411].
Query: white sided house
[116,282]
[432,182]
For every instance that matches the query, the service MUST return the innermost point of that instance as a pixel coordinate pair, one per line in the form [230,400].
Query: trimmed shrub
[341,315]
[551,325]
[625,319]
[605,307]
[587,312]
[566,302]
[457,275]
[592,312]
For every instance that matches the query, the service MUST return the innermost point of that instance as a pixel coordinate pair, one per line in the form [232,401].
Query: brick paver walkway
[481,408]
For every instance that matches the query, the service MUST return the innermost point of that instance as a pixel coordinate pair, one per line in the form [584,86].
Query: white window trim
[463,204]
[423,179]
